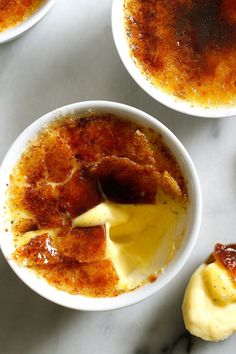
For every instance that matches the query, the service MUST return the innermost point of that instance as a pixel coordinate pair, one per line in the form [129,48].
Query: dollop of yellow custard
[209,307]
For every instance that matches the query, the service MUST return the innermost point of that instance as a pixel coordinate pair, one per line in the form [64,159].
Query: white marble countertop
[68,57]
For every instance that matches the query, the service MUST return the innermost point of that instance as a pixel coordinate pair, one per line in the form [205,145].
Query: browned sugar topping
[68,169]
[13,12]
[186,47]
[226,254]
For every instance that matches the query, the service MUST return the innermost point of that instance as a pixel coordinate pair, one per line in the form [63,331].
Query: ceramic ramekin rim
[100,304]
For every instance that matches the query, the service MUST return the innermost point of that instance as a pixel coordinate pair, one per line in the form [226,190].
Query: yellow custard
[209,306]
[141,239]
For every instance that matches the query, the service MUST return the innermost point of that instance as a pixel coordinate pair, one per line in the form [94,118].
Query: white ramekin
[30,21]
[193,221]
[158,94]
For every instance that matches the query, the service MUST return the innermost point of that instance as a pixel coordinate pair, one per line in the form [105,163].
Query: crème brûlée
[13,12]
[97,205]
[209,306]
[185,48]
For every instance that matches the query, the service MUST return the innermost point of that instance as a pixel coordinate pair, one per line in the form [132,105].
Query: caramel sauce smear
[186,47]
[59,177]
[226,255]
[12,12]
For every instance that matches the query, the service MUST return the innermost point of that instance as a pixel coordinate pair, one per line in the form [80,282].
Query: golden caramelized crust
[90,138]
[131,143]
[96,137]
[72,166]
[38,251]
[59,160]
[169,185]
[165,161]
[97,279]
[14,11]
[41,201]
[32,163]
[79,194]
[124,181]
[82,244]
[49,158]
[187,47]
[24,225]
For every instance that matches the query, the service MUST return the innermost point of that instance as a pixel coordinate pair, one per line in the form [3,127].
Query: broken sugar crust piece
[79,194]
[89,138]
[97,136]
[41,201]
[24,224]
[49,159]
[165,161]
[96,279]
[59,160]
[209,306]
[82,244]
[226,255]
[38,251]
[169,185]
[124,181]
[32,163]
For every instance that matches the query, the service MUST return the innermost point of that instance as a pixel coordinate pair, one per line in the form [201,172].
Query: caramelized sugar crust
[96,137]
[38,251]
[74,262]
[41,200]
[186,47]
[125,181]
[70,167]
[96,279]
[79,194]
[13,12]
[226,255]
[82,244]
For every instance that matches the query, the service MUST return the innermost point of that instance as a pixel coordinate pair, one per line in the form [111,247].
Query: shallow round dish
[26,24]
[79,302]
[158,94]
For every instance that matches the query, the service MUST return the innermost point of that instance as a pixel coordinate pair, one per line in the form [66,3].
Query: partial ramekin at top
[19,29]
[122,45]
[79,302]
